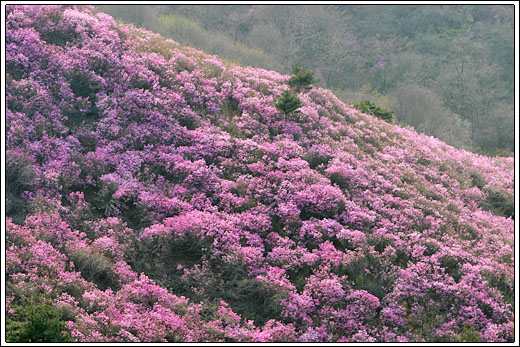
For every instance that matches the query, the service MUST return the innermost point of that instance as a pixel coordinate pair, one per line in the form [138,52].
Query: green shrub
[431,248]
[18,178]
[468,334]
[316,159]
[55,36]
[36,321]
[477,180]
[301,79]
[380,280]
[299,276]
[95,268]
[230,108]
[503,283]
[160,258]
[500,203]
[367,107]
[339,179]
[249,297]
[451,265]
[252,299]
[469,233]
[288,102]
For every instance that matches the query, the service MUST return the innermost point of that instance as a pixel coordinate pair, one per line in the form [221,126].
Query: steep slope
[155,193]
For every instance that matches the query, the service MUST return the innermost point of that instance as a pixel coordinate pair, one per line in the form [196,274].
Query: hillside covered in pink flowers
[155,193]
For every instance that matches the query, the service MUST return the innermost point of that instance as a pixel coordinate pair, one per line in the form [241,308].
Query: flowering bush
[156,193]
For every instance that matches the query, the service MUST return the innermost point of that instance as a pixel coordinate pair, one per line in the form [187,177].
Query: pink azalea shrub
[155,193]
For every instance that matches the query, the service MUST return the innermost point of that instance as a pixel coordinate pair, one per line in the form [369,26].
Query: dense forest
[448,71]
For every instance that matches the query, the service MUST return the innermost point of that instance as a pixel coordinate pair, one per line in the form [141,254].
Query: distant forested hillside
[446,70]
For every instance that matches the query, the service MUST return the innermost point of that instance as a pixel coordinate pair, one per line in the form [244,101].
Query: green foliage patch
[19,175]
[500,203]
[35,321]
[288,102]
[368,107]
[96,268]
[301,79]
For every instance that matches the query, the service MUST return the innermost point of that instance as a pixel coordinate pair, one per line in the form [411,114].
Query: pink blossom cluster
[169,200]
